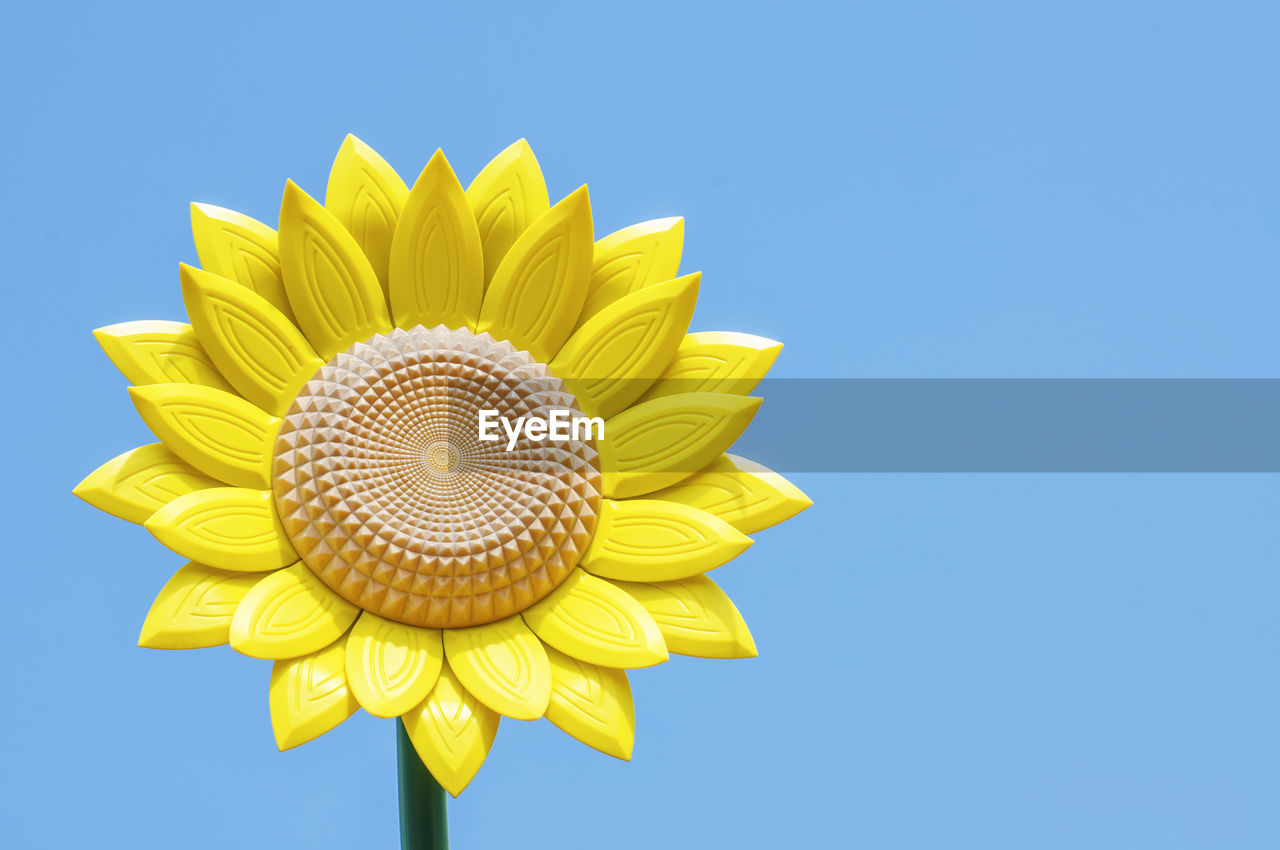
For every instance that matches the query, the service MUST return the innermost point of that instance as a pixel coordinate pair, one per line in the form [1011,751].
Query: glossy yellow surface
[741,492]
[309,695]
[593,704]
[260,351]
[194,608]
[287,614]
[452,732]
[333,289]
[159,352]
[217,432]
[695,617]
[504,665]
[538,594]
[658,540]
[536,294]
[391,667]
[136,484]
[437,260]
[610,361]
[506,197]
[243,249]
[228,527]
[366,196]
[717,362]
[632,258]
[590,619]
[658,443]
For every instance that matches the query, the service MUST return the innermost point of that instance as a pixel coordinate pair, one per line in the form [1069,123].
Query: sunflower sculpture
[321,466]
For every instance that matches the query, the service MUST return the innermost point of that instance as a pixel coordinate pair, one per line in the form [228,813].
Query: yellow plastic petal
[309,696]
[194,608]
[334,291]
[654,540]
[632,258]
[590,619]
[452,732]
[260,351]
[537,292]
[289,613]
[610,361]
[227,527]
[658,443]
[717,361]
[741,492]
[159,352]
[593,704]
[242,249]
[437,260]
[392,667]
[140,482]
[696,617]
[504,665]
[366,195]
[218,433]
[506,197]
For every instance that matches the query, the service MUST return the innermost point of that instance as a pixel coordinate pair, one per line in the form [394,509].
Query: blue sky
[901,190]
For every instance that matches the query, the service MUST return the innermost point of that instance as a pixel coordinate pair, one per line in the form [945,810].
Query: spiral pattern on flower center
[391,498]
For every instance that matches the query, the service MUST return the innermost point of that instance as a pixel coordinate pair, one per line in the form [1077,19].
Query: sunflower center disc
[391,498]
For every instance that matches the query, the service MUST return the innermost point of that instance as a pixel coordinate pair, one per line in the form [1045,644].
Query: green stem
[424,821]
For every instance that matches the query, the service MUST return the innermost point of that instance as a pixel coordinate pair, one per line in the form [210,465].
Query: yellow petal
[226,527]
[366,196]
[741,492]
[696,617]
[159,352]
[242,249]
[334,291]
[194,608]
[610,361]
[218,433]
[504,665]
[391,667]
[653,540]
[437,261]
[309,696]
[658,443]
[593,704]
[506,197]
[289,613]
[260,351]
[452,732]
[536,294]
[717,361]
[138,483]
[632,258]
[591,619]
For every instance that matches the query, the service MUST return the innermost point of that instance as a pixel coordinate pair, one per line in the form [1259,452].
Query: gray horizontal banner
[1008,425]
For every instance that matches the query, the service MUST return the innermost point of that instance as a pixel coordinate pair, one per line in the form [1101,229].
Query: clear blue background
[946,190]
